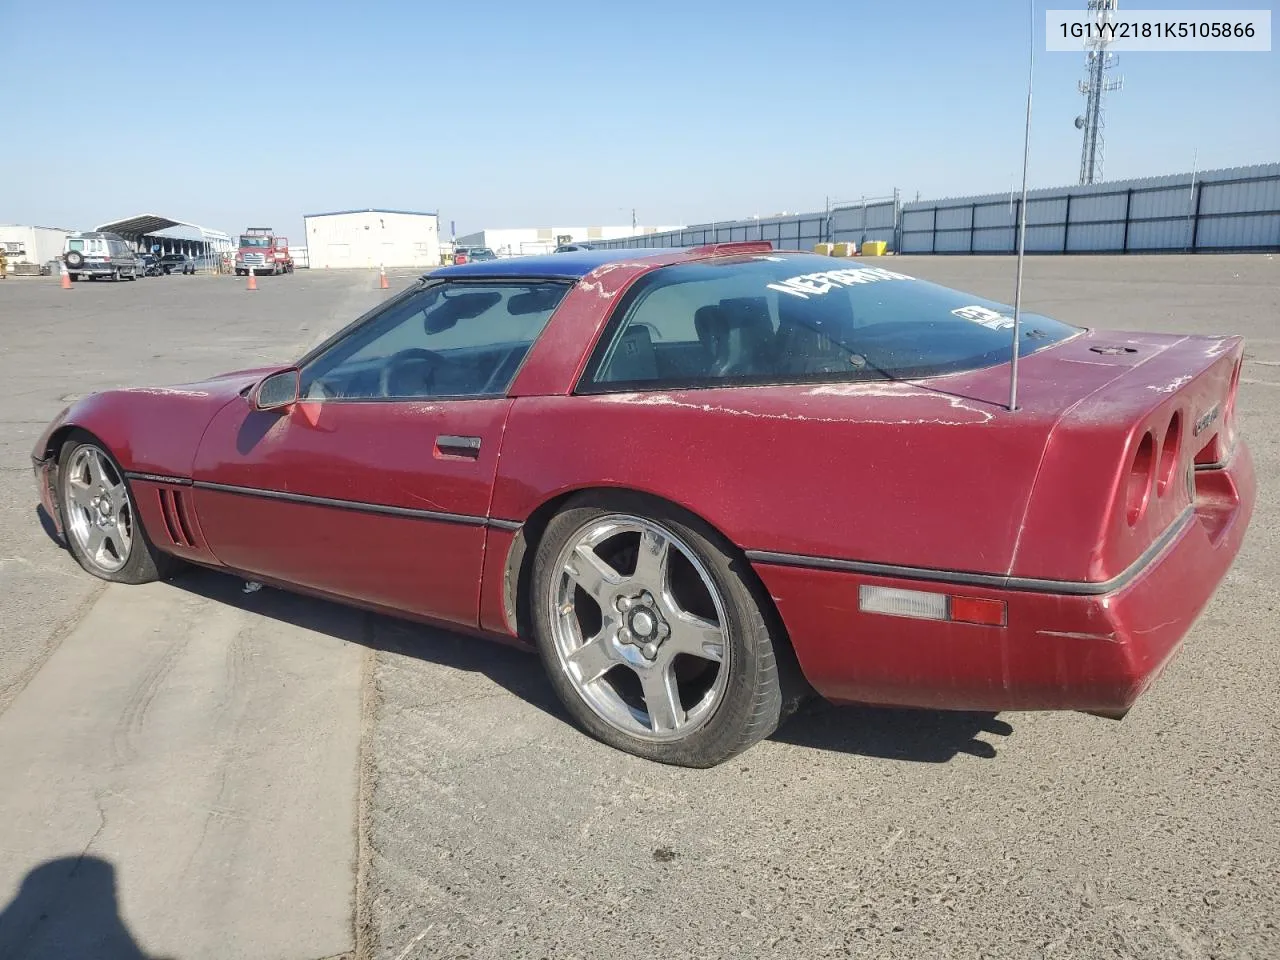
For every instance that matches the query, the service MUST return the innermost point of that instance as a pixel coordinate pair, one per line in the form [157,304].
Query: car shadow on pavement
[46,522]
[67,907]
[517,671]
[921,736]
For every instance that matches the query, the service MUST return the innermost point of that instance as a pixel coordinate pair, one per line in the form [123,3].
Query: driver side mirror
[277,391]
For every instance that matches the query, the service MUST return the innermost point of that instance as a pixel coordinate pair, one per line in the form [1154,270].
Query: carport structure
[171,236]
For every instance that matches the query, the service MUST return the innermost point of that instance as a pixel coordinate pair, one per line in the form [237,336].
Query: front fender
[150,429]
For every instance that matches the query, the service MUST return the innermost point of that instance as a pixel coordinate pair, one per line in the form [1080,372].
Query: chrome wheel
[99,512]
[639,627]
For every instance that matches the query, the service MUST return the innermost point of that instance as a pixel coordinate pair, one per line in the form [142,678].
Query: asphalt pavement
[195,771]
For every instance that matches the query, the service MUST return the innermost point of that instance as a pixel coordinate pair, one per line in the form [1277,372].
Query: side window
[708,326]
[446,340]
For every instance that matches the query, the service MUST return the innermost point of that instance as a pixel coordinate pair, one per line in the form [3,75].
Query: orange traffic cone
[382,272]
[253,280]
[66,280]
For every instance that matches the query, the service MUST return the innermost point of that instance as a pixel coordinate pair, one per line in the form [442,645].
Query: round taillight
[1138,485]
[1169,451]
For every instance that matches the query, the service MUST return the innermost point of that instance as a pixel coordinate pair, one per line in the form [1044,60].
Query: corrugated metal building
[38,245]
[372,238]
[524,241]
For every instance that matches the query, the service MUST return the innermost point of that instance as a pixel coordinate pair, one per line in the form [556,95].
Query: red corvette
[702,482]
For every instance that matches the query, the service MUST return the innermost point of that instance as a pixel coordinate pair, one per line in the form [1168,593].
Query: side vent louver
[177,523]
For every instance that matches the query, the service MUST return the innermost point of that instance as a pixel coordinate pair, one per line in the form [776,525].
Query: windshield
[801,318]
[255,241]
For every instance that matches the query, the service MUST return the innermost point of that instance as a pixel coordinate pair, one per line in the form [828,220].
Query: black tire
[145,564]
[75,259]
[763,686]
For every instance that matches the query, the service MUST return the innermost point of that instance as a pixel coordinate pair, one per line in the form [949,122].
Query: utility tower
[1097,61]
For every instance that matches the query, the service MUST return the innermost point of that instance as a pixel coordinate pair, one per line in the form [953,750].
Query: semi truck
[261,251]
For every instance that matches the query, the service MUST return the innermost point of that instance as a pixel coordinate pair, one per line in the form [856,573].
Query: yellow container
[874,248]
[823,249]
[845,250]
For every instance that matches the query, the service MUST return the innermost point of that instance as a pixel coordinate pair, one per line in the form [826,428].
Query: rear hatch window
[779,318]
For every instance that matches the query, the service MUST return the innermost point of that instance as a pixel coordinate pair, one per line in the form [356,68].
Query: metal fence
[873,218]
[1216,210]
[1236,209]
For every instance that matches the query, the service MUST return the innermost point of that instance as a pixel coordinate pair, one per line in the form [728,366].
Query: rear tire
[108,541]
[675,661]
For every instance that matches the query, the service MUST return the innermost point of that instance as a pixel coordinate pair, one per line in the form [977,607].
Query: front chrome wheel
[99,512]
[639,627]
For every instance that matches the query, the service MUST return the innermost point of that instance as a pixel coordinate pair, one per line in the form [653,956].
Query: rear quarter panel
[889,473]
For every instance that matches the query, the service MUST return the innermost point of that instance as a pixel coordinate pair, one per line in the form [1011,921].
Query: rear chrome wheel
[639,628]
[653,632]
[99,517]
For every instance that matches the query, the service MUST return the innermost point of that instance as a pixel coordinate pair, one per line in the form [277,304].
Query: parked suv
[92,255]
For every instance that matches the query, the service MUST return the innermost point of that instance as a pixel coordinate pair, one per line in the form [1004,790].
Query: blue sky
[504,113]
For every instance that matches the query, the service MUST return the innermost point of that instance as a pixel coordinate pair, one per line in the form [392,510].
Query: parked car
[93,254]
[702,483]
[573,247]
[148,265]
[463,255]
[177,263]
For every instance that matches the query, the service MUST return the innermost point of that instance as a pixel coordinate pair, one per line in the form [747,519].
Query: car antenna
[1022,222]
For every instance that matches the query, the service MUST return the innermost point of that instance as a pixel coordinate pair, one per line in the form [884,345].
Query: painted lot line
[196,764]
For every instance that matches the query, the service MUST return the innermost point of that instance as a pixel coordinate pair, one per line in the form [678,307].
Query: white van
[92,255]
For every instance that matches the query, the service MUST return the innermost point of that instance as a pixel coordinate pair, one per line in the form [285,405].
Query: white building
[371,238]
[523,241]
[36,245]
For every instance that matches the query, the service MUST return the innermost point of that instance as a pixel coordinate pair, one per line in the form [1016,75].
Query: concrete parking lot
[188,770]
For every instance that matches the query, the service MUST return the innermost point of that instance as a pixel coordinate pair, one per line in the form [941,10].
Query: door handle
[451,446]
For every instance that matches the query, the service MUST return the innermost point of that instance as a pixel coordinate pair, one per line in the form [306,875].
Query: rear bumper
[1059,651]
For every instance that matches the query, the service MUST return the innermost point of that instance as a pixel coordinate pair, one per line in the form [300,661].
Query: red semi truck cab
[261,251]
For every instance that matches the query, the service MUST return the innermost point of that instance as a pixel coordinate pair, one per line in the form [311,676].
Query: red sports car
[703,482]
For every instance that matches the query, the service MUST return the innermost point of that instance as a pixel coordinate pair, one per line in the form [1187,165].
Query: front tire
[653,632]
[99,517]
